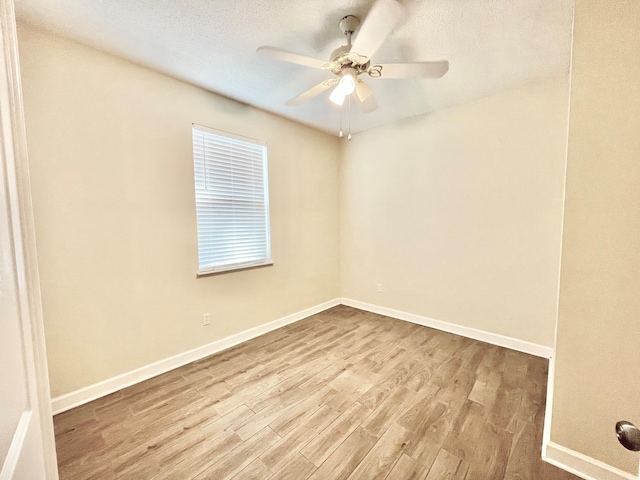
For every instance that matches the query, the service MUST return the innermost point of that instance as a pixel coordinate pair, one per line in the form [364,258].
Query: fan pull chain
[340,134]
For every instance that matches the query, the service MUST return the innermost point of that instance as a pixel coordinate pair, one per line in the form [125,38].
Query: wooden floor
[342,394]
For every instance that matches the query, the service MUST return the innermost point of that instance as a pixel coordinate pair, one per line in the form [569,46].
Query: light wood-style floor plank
[384,454]
[344,394]
[344,460]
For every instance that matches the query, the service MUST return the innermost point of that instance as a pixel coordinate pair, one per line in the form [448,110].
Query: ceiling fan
[350,61]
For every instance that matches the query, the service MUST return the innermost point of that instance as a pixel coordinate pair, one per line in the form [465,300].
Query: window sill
[233,268]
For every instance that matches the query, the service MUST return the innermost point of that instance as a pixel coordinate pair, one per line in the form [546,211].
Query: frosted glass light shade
[347,83]
[337,96]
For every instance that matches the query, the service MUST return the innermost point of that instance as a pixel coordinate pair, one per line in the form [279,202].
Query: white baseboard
[582,465]
[493,338]
[105,387]
[548,409]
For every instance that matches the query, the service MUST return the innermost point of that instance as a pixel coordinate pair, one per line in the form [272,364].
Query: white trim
[15,449]
[236,266]
[548,409]
[39,455]
[582,465]
[105,387]
[493,338]
[234,136]
[546,432]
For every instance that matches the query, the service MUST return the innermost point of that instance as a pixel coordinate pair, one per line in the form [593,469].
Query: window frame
[265,260]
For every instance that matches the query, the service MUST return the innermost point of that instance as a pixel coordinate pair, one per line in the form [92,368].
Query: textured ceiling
[492,45]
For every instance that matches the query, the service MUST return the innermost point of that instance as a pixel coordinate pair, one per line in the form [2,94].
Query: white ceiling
[492,45]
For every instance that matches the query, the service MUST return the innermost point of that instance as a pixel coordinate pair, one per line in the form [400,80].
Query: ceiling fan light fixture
[337,96]
[347,83]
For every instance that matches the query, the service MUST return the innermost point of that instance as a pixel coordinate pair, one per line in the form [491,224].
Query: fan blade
[364,96]
[418,69]
[312,92]
[383,17]
[292,57]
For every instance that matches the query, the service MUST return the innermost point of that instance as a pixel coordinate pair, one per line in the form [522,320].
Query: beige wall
[458,213]
[598,355]
[112,174]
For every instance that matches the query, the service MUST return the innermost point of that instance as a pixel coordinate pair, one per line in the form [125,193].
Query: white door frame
[32,449]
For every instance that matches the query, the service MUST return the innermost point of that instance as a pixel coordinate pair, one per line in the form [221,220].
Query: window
[232,201]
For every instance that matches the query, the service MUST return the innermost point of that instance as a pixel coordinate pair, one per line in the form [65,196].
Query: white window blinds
[232,201]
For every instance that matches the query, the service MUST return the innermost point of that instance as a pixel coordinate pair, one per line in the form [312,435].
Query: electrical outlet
[206,319]
[379,288]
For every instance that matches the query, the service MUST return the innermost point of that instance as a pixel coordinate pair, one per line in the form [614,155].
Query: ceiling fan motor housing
[342,58]
[339,52]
